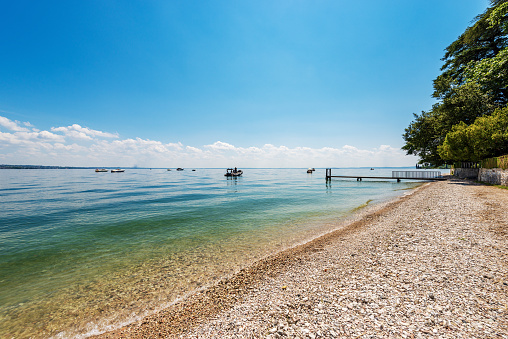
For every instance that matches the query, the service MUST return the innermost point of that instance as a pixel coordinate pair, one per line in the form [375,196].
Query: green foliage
[480,41]
[489,163]
[496,162]
[422,138]
[502,162]
[464,104]
[429,129]
[498,16]
[473,84]
[492,76]
[486,137]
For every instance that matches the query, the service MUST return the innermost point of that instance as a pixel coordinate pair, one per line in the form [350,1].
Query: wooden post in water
[328,174]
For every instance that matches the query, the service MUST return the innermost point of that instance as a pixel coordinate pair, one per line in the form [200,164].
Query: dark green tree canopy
[473,84]
[485,39]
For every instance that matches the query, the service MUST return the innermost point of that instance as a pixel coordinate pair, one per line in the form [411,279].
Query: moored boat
[233,172]
[118,170]
[101,170]
[179,169]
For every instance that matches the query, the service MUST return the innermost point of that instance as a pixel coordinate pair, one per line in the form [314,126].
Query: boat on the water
[233,172]
[310,170]
[118,170]
[101,170]
[179,169]
[169,169]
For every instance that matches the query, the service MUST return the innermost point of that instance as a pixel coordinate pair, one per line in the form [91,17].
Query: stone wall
[494,176]
[470,173]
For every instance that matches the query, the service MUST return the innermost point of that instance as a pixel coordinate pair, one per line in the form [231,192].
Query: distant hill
[68,167]
[40,167]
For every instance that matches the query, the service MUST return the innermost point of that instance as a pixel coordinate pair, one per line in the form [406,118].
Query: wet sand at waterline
[84,252]
[433,263]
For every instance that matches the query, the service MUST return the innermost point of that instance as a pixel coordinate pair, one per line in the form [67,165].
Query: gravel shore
[431,264]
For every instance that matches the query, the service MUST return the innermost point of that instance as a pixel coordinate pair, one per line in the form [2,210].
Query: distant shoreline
[40,167]
[67,167]
[3,166]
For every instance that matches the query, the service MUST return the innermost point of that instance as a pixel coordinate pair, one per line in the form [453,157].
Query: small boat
[310,170]
[193,170]
[371,169]
[101,170]
[233,172]
[169,169]
[179,169]
[117,170]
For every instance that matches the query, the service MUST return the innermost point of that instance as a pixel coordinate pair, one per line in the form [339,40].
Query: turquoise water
[81,251]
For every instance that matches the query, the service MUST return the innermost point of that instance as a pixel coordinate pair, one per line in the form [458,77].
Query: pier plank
[400,175]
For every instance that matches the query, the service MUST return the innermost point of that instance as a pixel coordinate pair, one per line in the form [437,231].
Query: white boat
[117,170]
[101,170]
[233,172]
[310,170]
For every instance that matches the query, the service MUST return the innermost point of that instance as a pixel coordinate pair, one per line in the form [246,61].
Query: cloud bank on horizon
[21,143]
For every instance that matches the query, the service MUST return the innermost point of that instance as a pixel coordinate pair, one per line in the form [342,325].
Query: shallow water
[81,251]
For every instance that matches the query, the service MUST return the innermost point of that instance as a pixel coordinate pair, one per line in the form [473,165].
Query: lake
[81,251]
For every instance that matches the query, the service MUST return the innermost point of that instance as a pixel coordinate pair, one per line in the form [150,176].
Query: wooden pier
[396,175]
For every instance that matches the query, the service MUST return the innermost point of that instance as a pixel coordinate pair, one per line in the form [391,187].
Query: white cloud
[11,125]
[219,145]
[51,136]
[7,138]
[177,146]
[75,131]
[95,148]
[194,150]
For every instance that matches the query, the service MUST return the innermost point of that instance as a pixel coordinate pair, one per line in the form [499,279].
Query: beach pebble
[431,264]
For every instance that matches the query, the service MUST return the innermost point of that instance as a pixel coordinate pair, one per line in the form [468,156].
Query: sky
[197,83]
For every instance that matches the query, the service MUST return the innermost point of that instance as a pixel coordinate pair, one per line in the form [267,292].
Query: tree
[499,14]
[473,83]
[422,138]
[485,39]
[487,137]
[429,129]
[492,76]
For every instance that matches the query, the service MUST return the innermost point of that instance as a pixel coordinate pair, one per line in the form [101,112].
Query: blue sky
[219,83]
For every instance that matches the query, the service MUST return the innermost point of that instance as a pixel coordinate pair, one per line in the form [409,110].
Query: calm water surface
[81,251]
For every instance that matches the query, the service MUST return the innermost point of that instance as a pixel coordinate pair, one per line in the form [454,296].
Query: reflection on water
[81,250]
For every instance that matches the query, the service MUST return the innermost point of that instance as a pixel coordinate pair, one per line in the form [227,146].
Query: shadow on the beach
[463,181]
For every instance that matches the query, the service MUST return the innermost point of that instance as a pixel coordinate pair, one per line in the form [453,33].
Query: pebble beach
[433,263]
